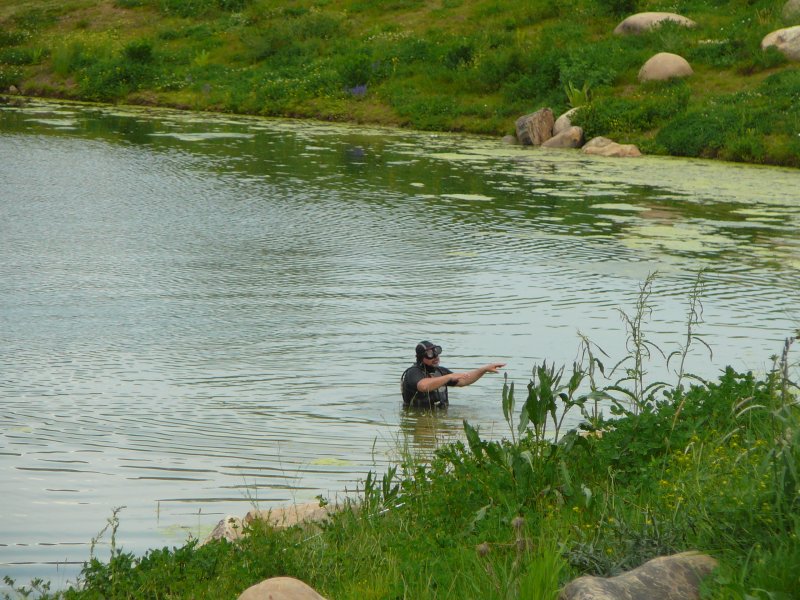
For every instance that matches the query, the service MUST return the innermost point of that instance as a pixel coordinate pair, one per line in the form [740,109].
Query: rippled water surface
[201,314]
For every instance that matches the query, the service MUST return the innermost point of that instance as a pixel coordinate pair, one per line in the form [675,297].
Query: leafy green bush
[785,84]
[138,51]
[9,75]
[748,147]
[539,79]
[653,105]
[17,56]
[619,8]
[763,60]
[700,132]
[456,53]
[36,18]
[131,3]
[720,54]
[111,78]
[186,8]
[12,37]
[233,6]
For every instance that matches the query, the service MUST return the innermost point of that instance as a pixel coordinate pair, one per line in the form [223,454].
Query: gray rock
[12,89]
[283,518]
[280,588]
[230,528]
[786,40]
[602,146]
[510,140]
[645,21]
[564,122]
[791,11]
[309,514]
[675,577]
[571,138]
[665,65]
[536,128]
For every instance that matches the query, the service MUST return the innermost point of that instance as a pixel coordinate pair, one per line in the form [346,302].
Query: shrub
[748,147]
[496,69]
[233,6]
[457,53]
[356,70]
[539,79]
[763,60]
[720,54]
[785,83]
[185,8]
[17,56]
[619,8]
[9,75]
[654,105]
[36,18]
[701,132]
[12,37]
[139,51]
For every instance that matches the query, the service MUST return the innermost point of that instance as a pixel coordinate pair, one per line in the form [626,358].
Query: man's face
[430,357]
[430,362]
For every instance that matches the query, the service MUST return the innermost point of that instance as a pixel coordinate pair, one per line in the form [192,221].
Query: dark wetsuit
[416,399]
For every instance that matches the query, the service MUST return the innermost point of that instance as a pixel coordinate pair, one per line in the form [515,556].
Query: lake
[200,314]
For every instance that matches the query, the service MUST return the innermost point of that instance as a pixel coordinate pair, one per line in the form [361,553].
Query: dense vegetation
[465,65]
[714,466]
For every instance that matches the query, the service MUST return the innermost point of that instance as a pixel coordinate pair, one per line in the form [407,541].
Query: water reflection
[425,430]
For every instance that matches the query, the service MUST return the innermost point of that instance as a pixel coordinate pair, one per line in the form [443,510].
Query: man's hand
[493,367]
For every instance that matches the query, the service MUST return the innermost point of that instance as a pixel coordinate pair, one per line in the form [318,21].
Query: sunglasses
[432,352]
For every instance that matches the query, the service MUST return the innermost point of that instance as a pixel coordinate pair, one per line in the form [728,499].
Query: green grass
[463,65]
[713,466]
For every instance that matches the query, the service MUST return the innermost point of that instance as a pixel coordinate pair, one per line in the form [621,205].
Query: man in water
[425,383]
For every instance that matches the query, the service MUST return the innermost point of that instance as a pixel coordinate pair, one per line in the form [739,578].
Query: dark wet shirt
[413,397]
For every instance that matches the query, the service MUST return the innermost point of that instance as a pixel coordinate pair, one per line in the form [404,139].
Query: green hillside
[447,65]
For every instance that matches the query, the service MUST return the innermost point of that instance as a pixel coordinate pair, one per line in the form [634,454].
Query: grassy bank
[461,65]
[711,466]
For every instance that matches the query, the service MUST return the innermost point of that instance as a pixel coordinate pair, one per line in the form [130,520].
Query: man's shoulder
[414,369]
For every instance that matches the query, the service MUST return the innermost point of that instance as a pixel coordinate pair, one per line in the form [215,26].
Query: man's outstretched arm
[470,377]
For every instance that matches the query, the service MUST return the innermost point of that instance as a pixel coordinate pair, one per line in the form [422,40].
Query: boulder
[642,22]
[12,89]
[664,65]
[601,146]
[791,11]
[787,41]
[280,588]
[230,528]
[282,518]
[675,577]
[535,128]
[571,138]
[510,140]
[564,122]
